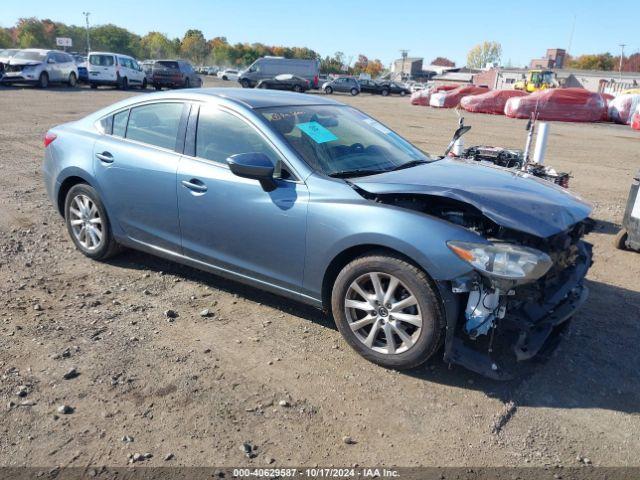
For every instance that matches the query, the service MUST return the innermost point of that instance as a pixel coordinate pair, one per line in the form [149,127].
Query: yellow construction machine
[537,80]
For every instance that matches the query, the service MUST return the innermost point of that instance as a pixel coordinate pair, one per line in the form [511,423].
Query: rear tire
[43,81]
[94,86]
[354,92]
[620,240]
[88,224]
[385,92]
[403,93]
[187,83]
[409,314]
[157,87]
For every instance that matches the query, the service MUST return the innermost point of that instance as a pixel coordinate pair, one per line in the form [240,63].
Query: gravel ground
[94,373]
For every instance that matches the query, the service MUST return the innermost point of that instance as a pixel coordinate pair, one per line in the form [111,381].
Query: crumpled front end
[498,324]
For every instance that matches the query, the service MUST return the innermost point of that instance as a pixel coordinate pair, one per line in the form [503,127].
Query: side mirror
[254,165]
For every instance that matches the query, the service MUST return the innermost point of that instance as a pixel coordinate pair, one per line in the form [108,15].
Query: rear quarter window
[120,123]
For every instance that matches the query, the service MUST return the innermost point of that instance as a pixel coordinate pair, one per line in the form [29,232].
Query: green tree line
[36,33]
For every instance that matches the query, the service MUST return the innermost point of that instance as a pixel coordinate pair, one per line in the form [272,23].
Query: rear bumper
[529,327]
[95,81]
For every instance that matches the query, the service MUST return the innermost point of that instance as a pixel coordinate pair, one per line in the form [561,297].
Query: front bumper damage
[525,327]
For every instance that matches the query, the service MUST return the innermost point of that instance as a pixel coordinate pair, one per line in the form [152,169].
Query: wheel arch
[65,186]
[344,257]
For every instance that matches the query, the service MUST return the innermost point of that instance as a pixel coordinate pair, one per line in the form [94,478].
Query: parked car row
[42,67]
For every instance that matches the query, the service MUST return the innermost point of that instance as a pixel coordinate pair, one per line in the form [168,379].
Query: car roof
[41,50]
[110,53]
[257,98]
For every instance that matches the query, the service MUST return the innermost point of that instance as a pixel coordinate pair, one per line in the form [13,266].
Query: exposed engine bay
[484,311]
[511,158]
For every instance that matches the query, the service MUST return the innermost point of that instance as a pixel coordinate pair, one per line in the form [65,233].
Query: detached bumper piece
[527,326]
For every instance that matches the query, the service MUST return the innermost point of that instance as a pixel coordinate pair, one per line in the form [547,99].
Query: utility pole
[622,45]
[404,54]
[86,19]
[573,29]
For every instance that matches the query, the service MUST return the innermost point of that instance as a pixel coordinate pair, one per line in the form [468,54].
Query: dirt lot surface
[275,374]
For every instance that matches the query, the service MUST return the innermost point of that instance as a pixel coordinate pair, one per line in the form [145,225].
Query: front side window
[155,124]
[342,141]
[220,134]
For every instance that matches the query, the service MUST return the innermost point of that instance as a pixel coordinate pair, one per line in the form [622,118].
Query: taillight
[48,138]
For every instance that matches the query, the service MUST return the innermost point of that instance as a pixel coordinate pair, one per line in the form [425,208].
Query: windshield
[37,56]
[342,141]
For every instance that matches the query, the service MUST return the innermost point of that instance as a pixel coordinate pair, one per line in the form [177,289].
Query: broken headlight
[503,260]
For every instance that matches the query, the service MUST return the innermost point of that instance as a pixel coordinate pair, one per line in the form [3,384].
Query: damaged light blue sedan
[314,200]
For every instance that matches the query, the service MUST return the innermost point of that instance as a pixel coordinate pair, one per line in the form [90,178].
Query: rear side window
[101,60]
[156,124]
[120,123]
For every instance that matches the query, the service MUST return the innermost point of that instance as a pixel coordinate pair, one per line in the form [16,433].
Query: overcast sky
[376,28]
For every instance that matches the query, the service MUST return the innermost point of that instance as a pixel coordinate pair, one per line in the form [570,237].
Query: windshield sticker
[317,132]
[378,126]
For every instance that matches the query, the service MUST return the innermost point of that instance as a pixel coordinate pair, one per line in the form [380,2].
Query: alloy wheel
[383,313]
[86,223]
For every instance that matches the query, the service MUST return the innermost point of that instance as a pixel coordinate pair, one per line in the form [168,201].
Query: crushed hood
[24,63]
[510,198]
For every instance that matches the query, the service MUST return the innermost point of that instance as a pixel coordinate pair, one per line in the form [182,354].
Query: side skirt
[223,272]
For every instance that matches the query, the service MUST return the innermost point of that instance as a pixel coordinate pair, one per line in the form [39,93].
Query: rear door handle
[195,185]
[105,157]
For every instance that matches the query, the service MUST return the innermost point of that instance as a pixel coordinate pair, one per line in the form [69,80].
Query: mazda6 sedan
[314,200]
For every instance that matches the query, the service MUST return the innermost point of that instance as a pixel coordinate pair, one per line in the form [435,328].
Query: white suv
[41,67]
[122,71]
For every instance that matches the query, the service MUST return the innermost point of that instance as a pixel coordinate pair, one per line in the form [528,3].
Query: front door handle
[195,185]
[105,157]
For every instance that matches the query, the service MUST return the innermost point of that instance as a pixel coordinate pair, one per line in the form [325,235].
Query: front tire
[245,83]
[88,224]
[124,84]
[144,84]
[387,311]
[43,80]
[72,82]
[297,88]
[328,90]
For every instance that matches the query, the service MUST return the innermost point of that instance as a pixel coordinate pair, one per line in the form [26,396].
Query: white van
[122,71]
